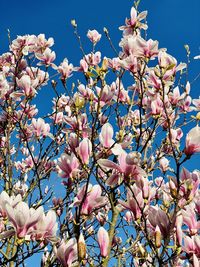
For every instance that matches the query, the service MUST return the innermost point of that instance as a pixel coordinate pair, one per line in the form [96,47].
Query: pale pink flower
[178,224]
[93,200]
[156,216]
[20,188]
[94,36]
[27,85]
[138,47]
[190,219]
[135,202]
[196,102]
[164,164]
[167,61]
[23,218]
[128,172]
[6,199]
[68,165]
[4,86]
[65,69]
[156,107]
[85,150]
[93,59]
[46,227]
[67,253]
[103,241]
[129,216]
[39,127]
[42,43]
[106,135]
[134,22]
[46,58]
[192,245]
[114,63]
[193,141]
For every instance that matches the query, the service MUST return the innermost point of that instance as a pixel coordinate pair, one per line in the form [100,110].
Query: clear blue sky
[172,22]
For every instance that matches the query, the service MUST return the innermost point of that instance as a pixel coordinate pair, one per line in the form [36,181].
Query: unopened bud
[158,237]
[73,23]
[81,247]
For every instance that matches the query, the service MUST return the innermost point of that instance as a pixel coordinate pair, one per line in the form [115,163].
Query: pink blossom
[94,36]
[156,216]
[6,199]
[93,200]
[106,135]
[46,227]
[27,85]
[156,107]
[23,218]
[192,245]
[67,253]
[40,128]
[128,172]
[134,22]
[65,69]
[114,63]
[85,150]
[193,141]
[47,57]
[135,202]
[103,240]
[190,219]
[68,165]
[164,164]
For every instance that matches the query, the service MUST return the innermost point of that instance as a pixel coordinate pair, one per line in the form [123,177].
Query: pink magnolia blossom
[85,150]
[190,219]
[23,218]
[193,141]
[93,200]
[46,227]
[39,127]
[134,22]
[192,245]
[93,59]
[27,86]
[122,171]
[94,36]
[42,43]
[156,216]
[114,63]
[67,253]
[138,47]
[65,69]
[46,58]
[68,165]
[166,61]
[106,135]
[4,86]
[164,164]
[103,240]
[6,199]
[196,102]
[135,202]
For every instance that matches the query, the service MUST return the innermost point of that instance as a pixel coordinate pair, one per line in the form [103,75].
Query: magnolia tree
[117,141]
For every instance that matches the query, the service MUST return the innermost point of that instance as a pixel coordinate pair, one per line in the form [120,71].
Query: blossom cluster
[118,151]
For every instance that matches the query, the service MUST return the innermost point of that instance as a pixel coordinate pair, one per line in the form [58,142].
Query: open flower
[46,227]
[67,252]
[94,36]
[93,200]
[193,141]
[23,218]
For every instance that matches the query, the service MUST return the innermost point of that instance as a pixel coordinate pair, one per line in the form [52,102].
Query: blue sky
[173,23]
